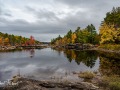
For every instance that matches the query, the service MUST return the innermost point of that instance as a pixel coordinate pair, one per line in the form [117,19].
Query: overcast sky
[46,19]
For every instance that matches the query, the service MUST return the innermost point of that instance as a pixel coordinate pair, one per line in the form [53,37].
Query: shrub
[113,82]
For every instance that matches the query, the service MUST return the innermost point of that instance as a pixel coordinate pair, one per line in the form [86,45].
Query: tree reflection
[32,53]
[59,50]
[87,57]
[109,64]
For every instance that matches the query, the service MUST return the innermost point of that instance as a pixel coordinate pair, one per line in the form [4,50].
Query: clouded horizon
[46,19]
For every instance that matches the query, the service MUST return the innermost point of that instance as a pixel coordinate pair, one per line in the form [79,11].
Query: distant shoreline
[9,48]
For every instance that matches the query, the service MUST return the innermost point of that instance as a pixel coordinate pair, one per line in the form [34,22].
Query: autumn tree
[10,39]
[107,34]
[110,27]
[87,35]
[73,37]
[32,40]
[6,41]
[69,36]
[1,40]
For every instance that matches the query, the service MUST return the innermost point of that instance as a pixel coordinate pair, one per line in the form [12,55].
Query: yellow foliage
[73,37]
[64,41]
[73,55]
[6,41]
[1,41]
[68,40]
[108,33]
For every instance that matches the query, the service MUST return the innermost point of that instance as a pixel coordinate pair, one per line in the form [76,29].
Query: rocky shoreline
[9,48]
[21,83]
[87,48]
[106,50]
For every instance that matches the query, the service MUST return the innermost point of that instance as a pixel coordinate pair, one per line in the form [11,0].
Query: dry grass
[87,75]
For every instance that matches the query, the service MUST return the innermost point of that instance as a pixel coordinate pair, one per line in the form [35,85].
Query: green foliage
[87,35]
[54,40]
[69,34]
[113,17]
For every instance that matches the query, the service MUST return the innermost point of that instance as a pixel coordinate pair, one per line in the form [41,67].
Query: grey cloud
[48,70]
[48,15]
[88,3]
[43,13]
[61,26]
[29,9]
[24,28]
[39,27]
[7,14]
[48,23]
[4,11]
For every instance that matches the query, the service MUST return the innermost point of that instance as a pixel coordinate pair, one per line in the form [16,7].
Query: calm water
[46,63]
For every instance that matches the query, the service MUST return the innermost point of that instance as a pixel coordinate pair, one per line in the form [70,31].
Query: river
[47,63]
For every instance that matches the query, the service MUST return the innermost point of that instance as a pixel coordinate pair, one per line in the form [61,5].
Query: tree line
[13,40]
[109,32]
[86,35]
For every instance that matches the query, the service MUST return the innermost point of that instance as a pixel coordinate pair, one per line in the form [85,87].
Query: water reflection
[32,53]
[87,57]
[109,64]
[45,63]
